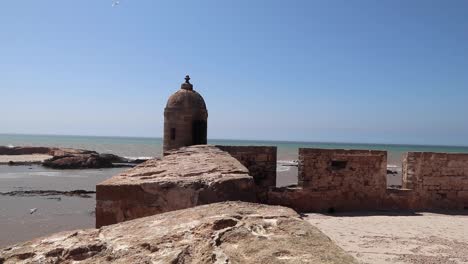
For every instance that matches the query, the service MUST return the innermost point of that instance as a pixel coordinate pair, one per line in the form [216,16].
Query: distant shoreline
[152,147]
[437,145]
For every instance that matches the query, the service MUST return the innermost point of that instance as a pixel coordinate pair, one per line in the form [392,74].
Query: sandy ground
[35,158]
[405,238]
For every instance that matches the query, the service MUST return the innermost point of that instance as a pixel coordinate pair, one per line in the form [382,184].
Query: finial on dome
[187,85]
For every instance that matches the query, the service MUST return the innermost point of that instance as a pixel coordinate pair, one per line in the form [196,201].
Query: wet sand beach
[54,213]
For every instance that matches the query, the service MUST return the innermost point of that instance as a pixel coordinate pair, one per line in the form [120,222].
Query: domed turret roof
[186,97]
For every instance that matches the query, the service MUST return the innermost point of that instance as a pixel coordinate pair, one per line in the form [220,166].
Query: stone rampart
[184,178]
[336,179]
[261,163]
[329,180]
[438,180]
[349,180]
[344,170]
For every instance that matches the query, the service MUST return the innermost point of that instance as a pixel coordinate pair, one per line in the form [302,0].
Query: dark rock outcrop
[79,161]
[67,158]
[229,232]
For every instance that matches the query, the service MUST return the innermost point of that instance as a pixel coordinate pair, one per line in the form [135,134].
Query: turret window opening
[173,135]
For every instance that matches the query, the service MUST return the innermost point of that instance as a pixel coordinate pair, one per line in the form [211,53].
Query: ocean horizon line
[246,140]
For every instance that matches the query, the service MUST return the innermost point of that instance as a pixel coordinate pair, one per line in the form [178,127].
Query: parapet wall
[261,163]
[329,180]
[438,180]
[345,170]
[336,179]
[351,180]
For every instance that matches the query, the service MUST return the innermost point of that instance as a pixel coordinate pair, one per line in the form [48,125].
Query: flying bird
[115,3]
[32,211]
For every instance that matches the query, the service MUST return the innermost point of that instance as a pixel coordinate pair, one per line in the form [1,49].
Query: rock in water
[79,161]
[229,232]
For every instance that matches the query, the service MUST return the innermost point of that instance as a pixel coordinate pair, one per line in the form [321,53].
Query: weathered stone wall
[336,179]
[184,178]
[355,180]
[329,180]
[261,163]
[345,170]
[438,180]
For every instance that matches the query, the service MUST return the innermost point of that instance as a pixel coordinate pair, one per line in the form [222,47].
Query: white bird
[32,211]
[115,3]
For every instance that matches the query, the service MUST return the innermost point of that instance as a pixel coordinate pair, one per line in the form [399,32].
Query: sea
[27,217]
[152,147]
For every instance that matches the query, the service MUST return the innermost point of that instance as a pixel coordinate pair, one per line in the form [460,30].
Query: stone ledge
[184,178]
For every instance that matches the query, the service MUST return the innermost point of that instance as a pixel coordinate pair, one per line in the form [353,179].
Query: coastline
[61,212]
[23,159]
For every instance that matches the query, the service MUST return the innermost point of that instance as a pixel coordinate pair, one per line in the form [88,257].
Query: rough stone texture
[261,163]
[349,180]
[334,179]
[438,180]
[344,170]
[184,178]
[230,232]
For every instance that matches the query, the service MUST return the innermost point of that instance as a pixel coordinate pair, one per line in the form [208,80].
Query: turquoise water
[152,147]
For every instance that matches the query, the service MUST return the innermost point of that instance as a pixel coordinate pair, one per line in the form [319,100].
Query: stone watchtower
[185,118]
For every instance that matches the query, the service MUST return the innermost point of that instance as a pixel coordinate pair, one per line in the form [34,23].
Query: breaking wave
[285,165]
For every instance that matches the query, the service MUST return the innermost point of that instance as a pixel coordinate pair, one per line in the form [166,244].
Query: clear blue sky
[342,71]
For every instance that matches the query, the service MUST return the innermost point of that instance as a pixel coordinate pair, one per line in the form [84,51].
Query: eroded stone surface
[184,178]
[229,232]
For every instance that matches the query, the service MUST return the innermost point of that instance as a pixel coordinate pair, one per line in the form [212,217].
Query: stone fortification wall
[438,180]
[350,180]
[329,180]
[336,179]
[184,178]
[345,170]
[261,163]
